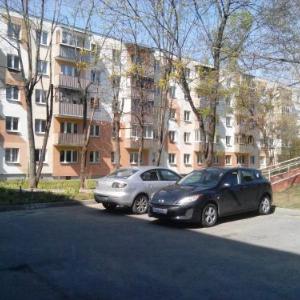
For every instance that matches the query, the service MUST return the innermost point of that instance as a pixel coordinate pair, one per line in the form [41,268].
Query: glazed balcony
[244,148]
[69,139]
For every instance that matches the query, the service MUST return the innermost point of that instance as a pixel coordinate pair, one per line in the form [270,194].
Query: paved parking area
[86,253]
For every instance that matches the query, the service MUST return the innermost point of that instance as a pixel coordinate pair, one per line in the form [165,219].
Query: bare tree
[31,68]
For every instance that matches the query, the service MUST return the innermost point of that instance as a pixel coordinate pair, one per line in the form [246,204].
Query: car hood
[173,193]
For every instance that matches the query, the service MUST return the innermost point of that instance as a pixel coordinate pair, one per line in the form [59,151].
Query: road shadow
[80,252]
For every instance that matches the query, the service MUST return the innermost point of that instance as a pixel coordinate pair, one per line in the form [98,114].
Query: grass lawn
[14,191]
[289,198]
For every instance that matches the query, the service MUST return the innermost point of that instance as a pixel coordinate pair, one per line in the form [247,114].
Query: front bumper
[119,198]
[174,212]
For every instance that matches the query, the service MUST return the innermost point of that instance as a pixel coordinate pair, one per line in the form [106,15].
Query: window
[227,159]
[199,157]
[12,124]
[136,59]
[217,139]
[250,140]
[156,65]
[113,157]
[67,70]
[42,37]
[172,91]
[172,158]
[228,122]
[134,157]
[38,153]
[197,135]
[97,76]
[148,132]
[68,38]
[187,72]
[167,175]
[68,156]
[116,56]
[150,176]
[241,159]
[186,159]
[186,137]
[228,102]
[40,96]
[228,140]
[12,155]
[252,160]
[247,176]
[13,62]
[94,157]
[134,131]
[13,30]
[172,137]
[95,130]
[116,80]
[42,67]
[68,127]
[12,93]
[40,126]
[216,159]
[187,116]
[262,160]
[172,114]
[232,178]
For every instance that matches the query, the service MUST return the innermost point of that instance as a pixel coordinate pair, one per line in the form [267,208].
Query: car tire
[140,204]
[109,206]
[264,205]
[209,215]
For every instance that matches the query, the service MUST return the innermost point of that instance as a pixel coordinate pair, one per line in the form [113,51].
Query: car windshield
[206,177]
[122,173]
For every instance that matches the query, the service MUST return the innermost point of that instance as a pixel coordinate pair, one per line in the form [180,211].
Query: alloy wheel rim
[265,205]
[141,205]
[210,215]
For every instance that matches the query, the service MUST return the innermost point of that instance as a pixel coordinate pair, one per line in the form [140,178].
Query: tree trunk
[117,143]
[31,143]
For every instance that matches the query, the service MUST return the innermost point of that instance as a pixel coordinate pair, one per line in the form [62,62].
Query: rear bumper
[119,198]
[184,213]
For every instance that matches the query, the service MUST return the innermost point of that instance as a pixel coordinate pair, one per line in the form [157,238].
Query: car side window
[232,178]
[150,176]
[167,175]
[247,176]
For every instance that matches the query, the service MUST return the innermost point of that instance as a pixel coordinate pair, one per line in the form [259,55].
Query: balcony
[70,110]
[133,143]
[69,139]
[70,54]
[71,82]
[244,148]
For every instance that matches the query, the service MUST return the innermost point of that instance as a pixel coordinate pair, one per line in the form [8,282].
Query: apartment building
[114,75]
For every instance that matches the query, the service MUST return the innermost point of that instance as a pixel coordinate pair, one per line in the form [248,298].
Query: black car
[203,196]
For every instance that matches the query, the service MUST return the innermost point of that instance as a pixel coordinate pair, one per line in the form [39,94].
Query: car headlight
[118,185]
[188,199]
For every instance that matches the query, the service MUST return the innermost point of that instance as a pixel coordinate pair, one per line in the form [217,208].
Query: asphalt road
[86,253]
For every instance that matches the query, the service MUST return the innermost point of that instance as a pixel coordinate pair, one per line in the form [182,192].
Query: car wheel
[140,204]
[264,205]
[109,206]
[209,215]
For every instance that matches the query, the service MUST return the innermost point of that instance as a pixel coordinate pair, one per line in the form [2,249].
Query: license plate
[163,211]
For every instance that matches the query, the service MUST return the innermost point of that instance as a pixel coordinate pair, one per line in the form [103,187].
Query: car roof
[144,168]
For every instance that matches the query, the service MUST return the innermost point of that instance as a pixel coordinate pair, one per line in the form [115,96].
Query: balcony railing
[71,82]
[69,139]
[244,148]
[71,110]
[133,143]
[71,54]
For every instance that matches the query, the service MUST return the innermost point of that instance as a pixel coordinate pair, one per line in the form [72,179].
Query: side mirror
[226,184]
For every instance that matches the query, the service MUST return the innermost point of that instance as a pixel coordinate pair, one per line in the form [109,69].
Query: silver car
[133,187]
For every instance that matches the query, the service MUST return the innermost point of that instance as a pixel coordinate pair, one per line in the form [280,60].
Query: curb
[30,206]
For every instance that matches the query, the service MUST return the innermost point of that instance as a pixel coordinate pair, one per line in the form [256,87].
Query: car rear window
[122,173]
